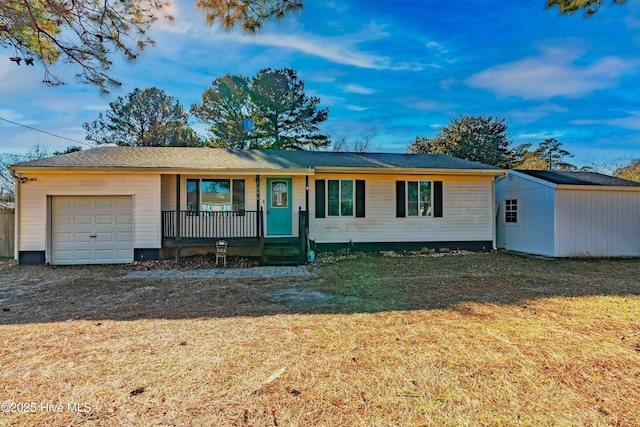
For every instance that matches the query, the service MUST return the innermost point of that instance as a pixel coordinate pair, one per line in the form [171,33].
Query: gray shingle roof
[579,178]
[223,159]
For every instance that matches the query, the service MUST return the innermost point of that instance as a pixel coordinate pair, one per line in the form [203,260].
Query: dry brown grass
[475,340]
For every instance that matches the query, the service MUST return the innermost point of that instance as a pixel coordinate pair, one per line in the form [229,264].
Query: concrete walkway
[221,273]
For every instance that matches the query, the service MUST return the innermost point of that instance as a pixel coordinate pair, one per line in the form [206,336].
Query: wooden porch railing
[212,225]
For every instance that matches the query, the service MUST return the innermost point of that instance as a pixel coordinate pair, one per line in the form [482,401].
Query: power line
[48,133]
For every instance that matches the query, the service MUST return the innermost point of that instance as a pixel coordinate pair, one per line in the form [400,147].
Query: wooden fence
[7,224]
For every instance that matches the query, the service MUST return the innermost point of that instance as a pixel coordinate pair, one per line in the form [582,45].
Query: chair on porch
[221,251]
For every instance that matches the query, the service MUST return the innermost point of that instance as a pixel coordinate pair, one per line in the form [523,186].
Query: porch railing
[178,225]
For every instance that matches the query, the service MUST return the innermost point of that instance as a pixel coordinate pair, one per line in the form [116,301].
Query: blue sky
[401,68]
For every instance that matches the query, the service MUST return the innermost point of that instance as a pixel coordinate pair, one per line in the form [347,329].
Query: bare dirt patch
[476,340]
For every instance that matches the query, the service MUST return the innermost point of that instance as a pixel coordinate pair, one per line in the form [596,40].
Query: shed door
[91,230]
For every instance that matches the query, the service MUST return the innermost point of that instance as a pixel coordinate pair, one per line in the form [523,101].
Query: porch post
[178,225]
[306,194]
[258,213]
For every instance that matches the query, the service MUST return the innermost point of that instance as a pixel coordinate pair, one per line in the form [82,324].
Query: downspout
[494,225]
[16,233]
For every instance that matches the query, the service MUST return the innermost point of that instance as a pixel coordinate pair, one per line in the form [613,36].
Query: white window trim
[517,212]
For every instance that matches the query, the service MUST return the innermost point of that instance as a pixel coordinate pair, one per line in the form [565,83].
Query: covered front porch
[200,210]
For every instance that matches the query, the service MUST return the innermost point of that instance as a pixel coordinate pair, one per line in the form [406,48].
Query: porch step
[282,251]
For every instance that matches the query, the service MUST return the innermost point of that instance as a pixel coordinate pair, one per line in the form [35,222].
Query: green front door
[279,212]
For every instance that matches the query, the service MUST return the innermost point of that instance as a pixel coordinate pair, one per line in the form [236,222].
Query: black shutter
[400,199]
[320,198]
[238,195]
[360,198]
[437,199]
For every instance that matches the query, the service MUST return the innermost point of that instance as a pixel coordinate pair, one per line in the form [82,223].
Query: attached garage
[91,230]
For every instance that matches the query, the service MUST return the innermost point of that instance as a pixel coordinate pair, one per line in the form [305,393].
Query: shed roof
[225,159]
[579,178]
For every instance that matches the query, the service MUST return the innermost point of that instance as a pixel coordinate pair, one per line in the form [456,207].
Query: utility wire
[48,133]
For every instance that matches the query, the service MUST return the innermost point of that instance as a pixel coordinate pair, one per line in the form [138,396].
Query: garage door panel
[82,202]
[76,219]
[62,237]
[104,203]
[62,255]
[61,219]
[104,237]
[104,219]
[82,254]
[62,202]
[104,254]
[82,219]
[81,237]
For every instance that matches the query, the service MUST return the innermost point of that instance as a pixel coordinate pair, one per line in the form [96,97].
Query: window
[340,197]
[511,210]
[279,194]
[219,195]
[419,198]
[193,194]
[216,195]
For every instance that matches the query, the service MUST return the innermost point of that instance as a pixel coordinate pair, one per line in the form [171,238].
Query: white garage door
[91,230]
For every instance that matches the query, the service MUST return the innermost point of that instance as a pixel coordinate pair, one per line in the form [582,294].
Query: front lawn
[370,340]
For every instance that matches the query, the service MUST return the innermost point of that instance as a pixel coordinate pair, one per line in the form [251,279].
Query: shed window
[511,210]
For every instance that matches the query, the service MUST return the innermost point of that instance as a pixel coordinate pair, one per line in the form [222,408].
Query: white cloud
[538,136]
[340,50]
[354,88]
[552,73]
[12,115]
[424,104]
[336,6]
[631,121]
[355,108]
[437,46]
[535,113]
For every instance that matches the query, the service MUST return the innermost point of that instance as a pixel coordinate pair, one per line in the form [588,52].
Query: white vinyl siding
[597,223]
[168,192]
[467,213]
[144,189]
[534,230]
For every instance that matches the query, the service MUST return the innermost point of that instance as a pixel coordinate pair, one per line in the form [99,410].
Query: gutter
[411,171]
[264,171]
[169,171]
[16,234]
[494,225]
